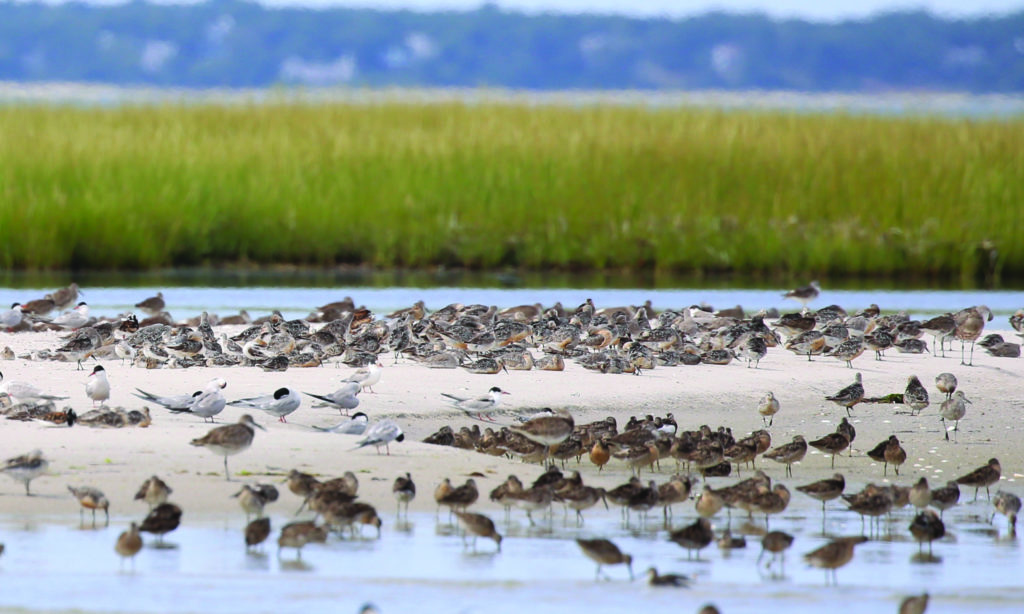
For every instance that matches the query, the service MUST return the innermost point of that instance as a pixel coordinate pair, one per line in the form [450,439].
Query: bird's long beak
[259,426]
[503,392]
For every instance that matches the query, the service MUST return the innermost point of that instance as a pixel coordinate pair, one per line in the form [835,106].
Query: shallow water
[52,564]
[189,301]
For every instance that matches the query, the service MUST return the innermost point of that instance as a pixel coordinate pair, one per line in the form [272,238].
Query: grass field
[510,186]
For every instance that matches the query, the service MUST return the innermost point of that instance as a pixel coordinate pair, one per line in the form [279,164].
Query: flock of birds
[483,339]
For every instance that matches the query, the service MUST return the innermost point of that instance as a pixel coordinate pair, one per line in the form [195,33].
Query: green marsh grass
[510,186]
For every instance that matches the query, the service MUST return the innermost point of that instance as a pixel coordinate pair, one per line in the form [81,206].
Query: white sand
[118,460]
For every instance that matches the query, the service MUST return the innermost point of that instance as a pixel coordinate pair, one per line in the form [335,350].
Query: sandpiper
[161,520]
[128,544]
[153,491]
[768,407]
[927,527]
[825,490]
[693,537]
[834,554]
[480,526]
[776,542]
[153,305]
[26,468]
[298,534]
[833,444]
[600,454]
[256,532]
[847,429]
[604,552]
[230,439]
[915,604]
[920,494]
[849,396]
[669,579]
[945,497]
[1007,504]
[916,395]
[804,294]
[969,324]
[889,452]
[954,409]
[404,491]
[90,498]
[253,498]
[848,351]
[792,452]
[986,476]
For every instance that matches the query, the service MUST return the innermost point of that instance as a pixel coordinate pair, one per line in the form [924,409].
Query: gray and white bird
[281,403]
[21,392]
[480,405]
[381,434]
[344,398]
[26,467]
[916,395]
[367,377]
[76,318]
[97,387]
[356,425]
[210,401]
[10,318]
[804,294]
[954,409]
[153,305]
[849,396]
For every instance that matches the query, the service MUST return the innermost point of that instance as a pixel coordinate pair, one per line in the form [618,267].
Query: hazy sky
[808,9]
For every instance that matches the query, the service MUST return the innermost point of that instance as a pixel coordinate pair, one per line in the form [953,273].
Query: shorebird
[915,604]
[946,383]
[98,387]
[230,439]
[481,405]
[480,526]
[927,527]
[604,552]
[954,409]
[693,537]
[776,542]
[549,429]
[804,294]
[768,407]
[458,498]
[344,398]
[26,468]
[381,434]
[669,579]
[302,485]
[153,491]
[920,494]
[404,491]
[161,520]
[807,343]
[256,532]
[849,396]
[90,498]
[298,534]
[253,498]
[834,555]
[367,377]
[969,324]
[945,497]
[600,454]
[281,403]
[356,425]
[889,452]
[128,544]
[789,453]
[916,395]
[21,392]
[833,444]
[1007,504]
[848,351]
[985,475]
[153,305]
[825,490]
[65,297]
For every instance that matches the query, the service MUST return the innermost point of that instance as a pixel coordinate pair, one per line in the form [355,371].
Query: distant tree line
[244,44]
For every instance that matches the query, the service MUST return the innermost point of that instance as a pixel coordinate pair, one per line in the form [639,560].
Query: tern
[98,388]
[21,392]
[353,426]
[381,434]
[205,403]
[283,402]
[76,318]
[344,398]
[479,405]
[11,318]
[368,377]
